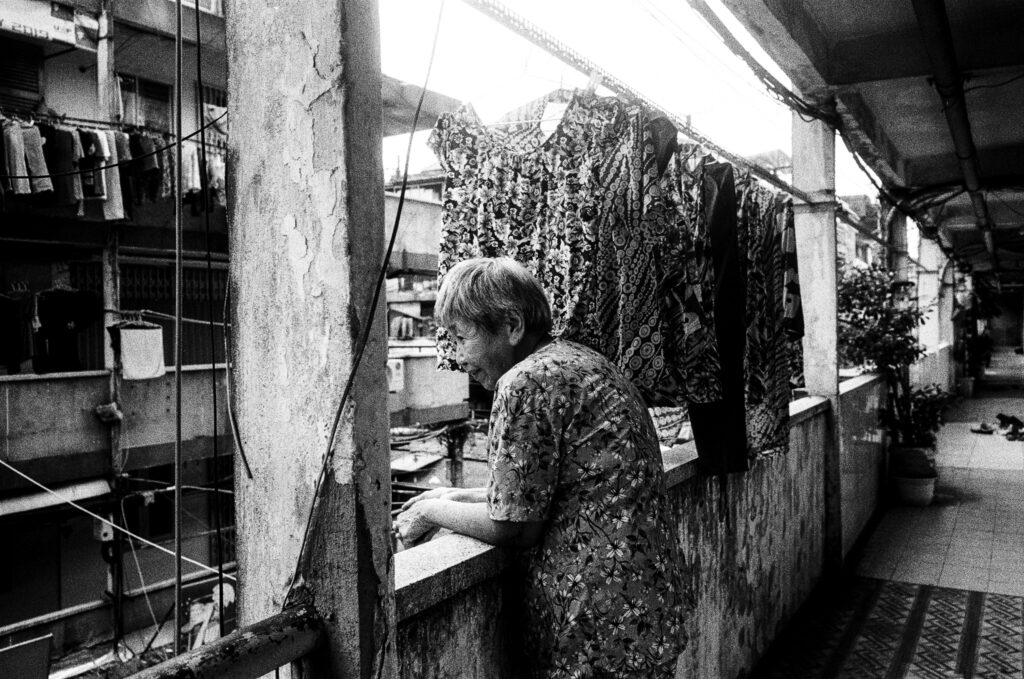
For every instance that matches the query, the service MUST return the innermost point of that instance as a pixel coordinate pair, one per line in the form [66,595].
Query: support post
[814,154]
[306,227]
[929,286]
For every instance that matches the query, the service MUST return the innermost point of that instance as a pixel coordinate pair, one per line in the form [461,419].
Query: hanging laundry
[146,168]
[588,210]
[216,176]
[14,157]
[94,184]
[139,349]
[63,152]
[113,206]
[125,172]
[763,216]
[168,175]
[720,427]
[35,160]
[190,174]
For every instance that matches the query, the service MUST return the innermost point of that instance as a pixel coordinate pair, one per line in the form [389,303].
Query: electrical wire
[158,314]
[138,568]
[179,81]
[992,85]
[205,191]
[96,516]
[236,434]
[161,149]
[367,324]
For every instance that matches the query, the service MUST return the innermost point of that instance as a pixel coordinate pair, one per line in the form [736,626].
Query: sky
[661,48]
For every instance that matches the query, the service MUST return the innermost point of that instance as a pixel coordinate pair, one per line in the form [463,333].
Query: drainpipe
[938,42]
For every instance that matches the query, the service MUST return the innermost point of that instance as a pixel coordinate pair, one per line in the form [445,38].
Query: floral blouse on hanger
[597,213]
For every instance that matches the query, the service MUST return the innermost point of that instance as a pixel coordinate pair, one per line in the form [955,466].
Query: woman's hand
[453,494]
[413,523]
[432,494]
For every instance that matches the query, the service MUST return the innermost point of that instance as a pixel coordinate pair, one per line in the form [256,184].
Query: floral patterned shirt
[598,214]
[571,444]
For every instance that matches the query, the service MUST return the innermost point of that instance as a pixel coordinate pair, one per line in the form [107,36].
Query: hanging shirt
[588,211]
[35,160]
[763,219]
[113,206]
[14,158]
[63,151]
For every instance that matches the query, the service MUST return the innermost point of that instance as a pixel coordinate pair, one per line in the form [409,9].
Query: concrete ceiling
[880,63]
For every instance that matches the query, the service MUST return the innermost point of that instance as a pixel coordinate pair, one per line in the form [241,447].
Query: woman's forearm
[471,518]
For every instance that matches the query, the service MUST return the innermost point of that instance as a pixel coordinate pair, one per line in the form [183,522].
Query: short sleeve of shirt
[524,447]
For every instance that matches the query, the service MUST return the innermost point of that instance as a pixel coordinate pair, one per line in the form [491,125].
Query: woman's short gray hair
[488,291]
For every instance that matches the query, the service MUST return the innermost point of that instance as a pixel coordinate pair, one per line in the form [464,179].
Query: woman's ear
[516,329]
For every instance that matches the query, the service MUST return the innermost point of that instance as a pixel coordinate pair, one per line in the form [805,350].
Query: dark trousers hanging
[719,428]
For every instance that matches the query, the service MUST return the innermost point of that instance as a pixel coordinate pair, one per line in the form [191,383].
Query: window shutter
[20,68]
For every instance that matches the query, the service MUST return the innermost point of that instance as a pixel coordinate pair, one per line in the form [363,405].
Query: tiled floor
[939,591]
[972,536]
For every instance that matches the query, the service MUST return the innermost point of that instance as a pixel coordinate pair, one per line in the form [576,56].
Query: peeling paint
[299,255]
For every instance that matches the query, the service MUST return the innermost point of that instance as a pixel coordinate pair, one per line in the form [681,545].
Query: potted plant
[878,318]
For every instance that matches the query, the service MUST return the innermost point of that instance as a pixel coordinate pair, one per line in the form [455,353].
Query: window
[209,6]
[145,102]
[21,65]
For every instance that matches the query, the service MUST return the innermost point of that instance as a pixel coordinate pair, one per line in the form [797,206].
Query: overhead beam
[867,139]
[790,36]
[938,41]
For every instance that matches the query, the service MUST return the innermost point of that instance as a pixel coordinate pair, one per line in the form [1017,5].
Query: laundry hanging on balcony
[598,214]
[654,255]
[100,173]
[138,349]
[758,316]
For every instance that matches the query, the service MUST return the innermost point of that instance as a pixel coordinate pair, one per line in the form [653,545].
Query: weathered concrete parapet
[753,554]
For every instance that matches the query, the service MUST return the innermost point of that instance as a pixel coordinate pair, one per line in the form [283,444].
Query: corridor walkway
[939,590]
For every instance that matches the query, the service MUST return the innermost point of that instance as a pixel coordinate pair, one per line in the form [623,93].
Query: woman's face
[483,354]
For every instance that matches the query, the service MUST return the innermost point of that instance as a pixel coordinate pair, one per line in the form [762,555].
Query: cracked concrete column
[306,228]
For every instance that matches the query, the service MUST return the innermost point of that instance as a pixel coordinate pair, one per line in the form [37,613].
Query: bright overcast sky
[661,48]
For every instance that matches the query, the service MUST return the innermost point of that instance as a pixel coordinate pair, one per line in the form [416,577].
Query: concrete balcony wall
[862,459]
[51,417]
[752,549]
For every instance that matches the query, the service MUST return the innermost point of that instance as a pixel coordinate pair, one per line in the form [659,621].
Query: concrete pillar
[306,228]
[899,258]
[814,157]
[928,289]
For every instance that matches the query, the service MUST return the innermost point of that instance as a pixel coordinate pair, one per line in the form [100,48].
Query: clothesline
[118,164]
[65,119]
[158,314]
[120,529]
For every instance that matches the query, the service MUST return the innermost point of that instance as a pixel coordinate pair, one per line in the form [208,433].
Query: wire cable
[138,568]
[367,325]
[179,81]
[113,525]
[160,149]
[204,188]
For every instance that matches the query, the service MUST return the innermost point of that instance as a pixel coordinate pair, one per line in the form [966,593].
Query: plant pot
[915,491]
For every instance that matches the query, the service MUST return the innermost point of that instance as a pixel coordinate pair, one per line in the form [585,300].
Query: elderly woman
[576,482]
